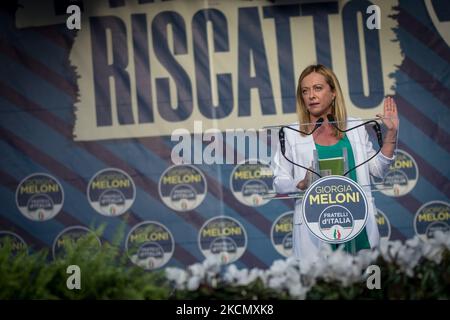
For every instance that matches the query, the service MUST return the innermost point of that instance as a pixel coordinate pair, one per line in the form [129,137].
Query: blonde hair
[338,109]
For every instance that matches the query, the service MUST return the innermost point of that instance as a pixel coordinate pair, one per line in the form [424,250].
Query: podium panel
[331,164]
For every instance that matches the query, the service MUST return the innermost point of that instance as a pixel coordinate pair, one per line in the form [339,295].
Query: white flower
[246,277]
[254,274]
[231,274]
[298,276]
[414,242]
[212,264]
[409,255]
[442,238]
[178,276]
[298,291]
[276,282]
[340,267]
[432,252]
[193,283]
[389,250]
[242,277]
[367,257]
[197,270]
[278,267]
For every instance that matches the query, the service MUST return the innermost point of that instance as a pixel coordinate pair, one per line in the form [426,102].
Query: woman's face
[316,94]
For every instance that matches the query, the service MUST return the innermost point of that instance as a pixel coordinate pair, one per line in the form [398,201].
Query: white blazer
[286,177]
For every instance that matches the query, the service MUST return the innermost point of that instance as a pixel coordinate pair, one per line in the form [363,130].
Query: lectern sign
[335,209]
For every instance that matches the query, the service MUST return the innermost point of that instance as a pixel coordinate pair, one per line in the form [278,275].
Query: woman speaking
[321,110]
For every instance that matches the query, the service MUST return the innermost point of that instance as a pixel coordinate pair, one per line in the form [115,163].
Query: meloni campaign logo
[149,245]
[250,181]
[335,209]
[39,197]
[70,236]
[281,234]
[431,217]
[222,237]
[401,177]
[14,240]
[182,187]
[111,192]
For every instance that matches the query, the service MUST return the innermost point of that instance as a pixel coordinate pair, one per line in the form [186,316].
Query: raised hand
[390,114]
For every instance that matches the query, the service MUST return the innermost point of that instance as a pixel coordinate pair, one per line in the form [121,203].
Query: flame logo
[336,234]
[224,258]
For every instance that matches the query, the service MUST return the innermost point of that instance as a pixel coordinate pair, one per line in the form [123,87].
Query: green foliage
[105,274]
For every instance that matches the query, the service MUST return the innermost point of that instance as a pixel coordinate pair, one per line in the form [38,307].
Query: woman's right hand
[306,182]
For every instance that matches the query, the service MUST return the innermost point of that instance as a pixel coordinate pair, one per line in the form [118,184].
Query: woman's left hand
[390,114]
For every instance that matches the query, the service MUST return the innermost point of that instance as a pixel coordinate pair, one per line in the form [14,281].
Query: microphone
[318,124]
[331,120]
[377,129]
[281,138]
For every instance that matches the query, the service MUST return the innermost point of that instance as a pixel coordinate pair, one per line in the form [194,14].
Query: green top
[336,167]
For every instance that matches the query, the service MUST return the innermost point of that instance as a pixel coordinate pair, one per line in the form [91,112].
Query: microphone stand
[281,138]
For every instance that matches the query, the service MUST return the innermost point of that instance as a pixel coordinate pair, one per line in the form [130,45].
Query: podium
[335,160]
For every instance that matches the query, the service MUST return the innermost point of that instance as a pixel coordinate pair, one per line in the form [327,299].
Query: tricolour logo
[150,245]
[111,192]
[431,217]
[39,197]
[250,181]
[401,177]
[182,187]
[222,237]
[335,209]
[281,234]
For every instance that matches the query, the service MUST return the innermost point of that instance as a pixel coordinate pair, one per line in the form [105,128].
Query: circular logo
[223,237]
[111,192]
[71,236]
[249,182]
[440,16]
[432,216]
[149,245]
[15,241]
[335,209]
[281,234]
[39,197]
[384,226]
[182,187]
[401,177]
